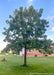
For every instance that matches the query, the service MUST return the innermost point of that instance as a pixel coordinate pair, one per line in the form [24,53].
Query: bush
[35,55]
[46,55]
[43,52]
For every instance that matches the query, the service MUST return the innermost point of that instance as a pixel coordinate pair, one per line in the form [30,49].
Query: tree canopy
[26,28]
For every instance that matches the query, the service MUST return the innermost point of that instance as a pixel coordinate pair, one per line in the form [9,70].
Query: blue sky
[8,6]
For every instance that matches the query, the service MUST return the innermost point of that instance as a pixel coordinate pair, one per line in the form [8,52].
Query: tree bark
[18,52]
[25,56]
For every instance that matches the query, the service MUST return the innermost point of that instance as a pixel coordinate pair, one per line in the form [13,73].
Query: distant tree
[53,43]
[47,46]
[13,47]
[25,28]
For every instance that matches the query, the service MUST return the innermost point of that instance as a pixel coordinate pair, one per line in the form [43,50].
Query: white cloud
[2,45]
[52,29]
[30,2]
[50,18]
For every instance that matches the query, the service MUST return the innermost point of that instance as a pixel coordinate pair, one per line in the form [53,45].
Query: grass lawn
[36,66]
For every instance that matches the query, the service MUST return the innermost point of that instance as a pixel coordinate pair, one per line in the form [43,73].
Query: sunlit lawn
[41,65]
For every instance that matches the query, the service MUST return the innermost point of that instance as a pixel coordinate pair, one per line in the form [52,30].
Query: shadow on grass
[24,66]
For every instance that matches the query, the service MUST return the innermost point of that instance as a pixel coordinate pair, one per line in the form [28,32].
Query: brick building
[33,53]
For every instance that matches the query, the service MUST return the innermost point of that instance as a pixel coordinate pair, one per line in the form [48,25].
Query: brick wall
[34,53]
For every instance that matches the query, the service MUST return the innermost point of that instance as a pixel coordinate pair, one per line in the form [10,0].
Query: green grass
[36,66]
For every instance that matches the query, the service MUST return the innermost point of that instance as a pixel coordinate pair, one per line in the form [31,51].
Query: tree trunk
[18,52]
[25,56]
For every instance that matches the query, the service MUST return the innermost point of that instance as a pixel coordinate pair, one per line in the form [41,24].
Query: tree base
[24,65]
